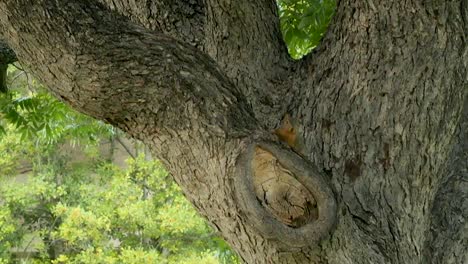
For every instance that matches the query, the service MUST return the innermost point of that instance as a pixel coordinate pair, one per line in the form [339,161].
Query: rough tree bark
[380,108]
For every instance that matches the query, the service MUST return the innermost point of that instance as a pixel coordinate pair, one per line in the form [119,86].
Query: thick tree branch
[248,32]
[106,59]
[183,20]
[231,32]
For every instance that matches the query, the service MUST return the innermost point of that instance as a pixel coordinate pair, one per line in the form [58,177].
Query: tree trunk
[378,168]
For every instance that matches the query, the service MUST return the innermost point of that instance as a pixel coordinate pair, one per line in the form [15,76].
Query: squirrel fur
[287,132]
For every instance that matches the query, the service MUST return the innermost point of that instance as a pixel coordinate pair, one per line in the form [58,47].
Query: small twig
[27,76]
[28,253]
[18,75]
[29,83]
[25,170]
[125,147]
[18,67]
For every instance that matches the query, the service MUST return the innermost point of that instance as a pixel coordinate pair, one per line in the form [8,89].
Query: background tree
[376,172]
[95,212]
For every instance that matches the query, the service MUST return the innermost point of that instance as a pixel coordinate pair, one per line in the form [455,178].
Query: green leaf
[303,23]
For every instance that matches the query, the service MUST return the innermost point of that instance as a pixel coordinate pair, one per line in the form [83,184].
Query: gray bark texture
[379,170]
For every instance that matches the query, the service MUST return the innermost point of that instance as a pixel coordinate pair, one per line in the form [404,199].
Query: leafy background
[303,23]
[56,209]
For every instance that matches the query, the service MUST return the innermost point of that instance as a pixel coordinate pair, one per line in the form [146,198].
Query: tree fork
[378,107]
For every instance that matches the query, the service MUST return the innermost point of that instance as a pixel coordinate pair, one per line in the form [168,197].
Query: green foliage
[99,213]
[12,151]
[8,233]
[98,256]
[36,114]
[303,23]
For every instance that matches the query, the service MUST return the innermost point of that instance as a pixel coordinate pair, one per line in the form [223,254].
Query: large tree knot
[284,196]
[280,192]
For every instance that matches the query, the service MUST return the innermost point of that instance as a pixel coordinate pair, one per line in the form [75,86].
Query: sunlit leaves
[125,255]
[303,23]
[7,233]
[36,114]
[81,228]
[109,215]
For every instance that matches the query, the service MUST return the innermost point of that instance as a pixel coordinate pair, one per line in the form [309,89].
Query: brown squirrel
[287,132]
